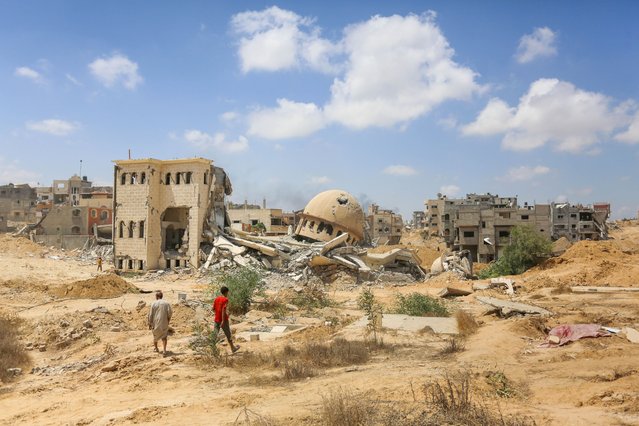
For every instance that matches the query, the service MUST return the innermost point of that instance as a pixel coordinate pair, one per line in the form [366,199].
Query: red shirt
[219,304]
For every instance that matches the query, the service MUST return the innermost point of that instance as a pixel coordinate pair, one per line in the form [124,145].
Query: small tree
[527,247]
[243,284]
[368,304]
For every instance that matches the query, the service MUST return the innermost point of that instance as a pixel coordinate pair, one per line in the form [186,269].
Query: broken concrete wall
[67,242]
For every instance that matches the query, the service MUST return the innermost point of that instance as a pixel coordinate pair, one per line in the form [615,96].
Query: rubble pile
[304,261]
[459,262]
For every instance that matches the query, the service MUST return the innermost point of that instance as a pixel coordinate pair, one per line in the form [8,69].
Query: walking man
[100,263]
[220,305]
[159,317]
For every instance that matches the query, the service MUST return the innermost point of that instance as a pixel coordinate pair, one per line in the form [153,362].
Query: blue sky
[391,101]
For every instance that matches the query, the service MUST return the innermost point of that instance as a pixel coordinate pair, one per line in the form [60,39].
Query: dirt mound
[103,286]
[599,263]
[560,246]
[18,245]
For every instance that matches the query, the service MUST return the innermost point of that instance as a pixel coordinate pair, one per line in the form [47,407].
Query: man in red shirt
[220,305]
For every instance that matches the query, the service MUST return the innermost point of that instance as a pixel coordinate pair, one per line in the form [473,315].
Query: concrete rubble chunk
[631,334]
[451,291]
[589,289]
[507,308]
[459,262]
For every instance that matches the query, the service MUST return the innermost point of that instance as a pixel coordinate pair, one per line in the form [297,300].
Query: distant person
[100,263]
[220,305]
[159,317]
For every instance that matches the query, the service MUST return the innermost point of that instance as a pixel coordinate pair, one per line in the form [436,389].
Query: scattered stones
[14,371]
[116,329]
[141,304]
[64,323]
[87,324]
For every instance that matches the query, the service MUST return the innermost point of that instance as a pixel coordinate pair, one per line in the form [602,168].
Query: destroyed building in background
[385,225]
[17,203]
[481,223]
[248,217]
[419,220]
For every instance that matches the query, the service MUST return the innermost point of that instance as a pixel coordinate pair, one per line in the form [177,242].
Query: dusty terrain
[92,363]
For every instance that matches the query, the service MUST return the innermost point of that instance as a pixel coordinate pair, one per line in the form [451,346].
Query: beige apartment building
[385,225]
[247,218]
[160,209]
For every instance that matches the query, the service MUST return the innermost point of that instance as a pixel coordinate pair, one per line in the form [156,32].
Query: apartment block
[385,226]
[481,223]
[246,217]
[17,202]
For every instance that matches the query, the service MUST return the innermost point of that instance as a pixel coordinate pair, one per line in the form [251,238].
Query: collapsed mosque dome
[330,214]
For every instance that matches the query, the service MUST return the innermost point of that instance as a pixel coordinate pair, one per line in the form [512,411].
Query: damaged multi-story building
[385,225]
[481,223]
[17,202]
[164,209]
[248,217]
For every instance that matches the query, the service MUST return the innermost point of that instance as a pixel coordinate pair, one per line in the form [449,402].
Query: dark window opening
[141,265]
[167,179]
[469,234]
[177,263]
[131,229]
[483,224]
[320,227]
[76,212]
[123,179]
[178,178]
[121,230]
[339,233]
[134,178]
[104,215]
[143,178]
[130,263]
[141,229]
[120,263]
[524,217]
[206,178]
[312,225]
[329,229]
[75,230]
[503,234]
[189,175]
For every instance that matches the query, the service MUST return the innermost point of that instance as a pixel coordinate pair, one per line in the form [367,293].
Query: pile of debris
[303,260]
[459,262]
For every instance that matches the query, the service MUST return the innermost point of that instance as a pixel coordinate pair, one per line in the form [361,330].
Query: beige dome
[331,213]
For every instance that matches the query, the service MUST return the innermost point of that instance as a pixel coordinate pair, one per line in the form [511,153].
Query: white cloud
[275,39]
[288,120]
[31,74]
[450,190]
[73,80]
[114,70]
[541,43]
[53,126]
[203,141]
[631,135]
[398,69]
[400,170]
[391,70]
[526,172]
[11,172]
[448,122]
[551,112]
[229,116]
[320,180]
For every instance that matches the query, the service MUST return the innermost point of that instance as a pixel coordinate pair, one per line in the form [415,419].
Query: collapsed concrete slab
[506,308]
[440,325]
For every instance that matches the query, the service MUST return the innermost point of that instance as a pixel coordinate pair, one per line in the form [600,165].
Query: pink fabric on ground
[570,333]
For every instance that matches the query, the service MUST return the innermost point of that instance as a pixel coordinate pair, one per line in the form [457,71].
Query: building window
[206,178]
[504,215]
[504,234]
[141,265]
[178,177]
[131,229]
[134,178]
[573,215]
[121,229]
[141,233]
[143,178]
[469,234]
[123,179]
[167,180]
[94,213]
[560,216]
[189,175]
[524,217]
[483,224]
[75,230]
[104,215]
[76,212]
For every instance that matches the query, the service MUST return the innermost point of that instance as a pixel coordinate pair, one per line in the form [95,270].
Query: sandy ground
[108,374]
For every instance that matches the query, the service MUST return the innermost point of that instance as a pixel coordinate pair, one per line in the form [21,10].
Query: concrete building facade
[159,210]
[17,202]
[384,225]
[481,223]
[246,218]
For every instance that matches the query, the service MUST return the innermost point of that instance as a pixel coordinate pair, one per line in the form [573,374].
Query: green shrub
[527,247]
[419,305]
[243,284]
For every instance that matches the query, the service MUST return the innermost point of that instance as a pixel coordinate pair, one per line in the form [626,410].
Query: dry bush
[342,407]
[466,323]
[249,417]
[450,401]
[296,370]
[452,346]
[12,353]
[336,353]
